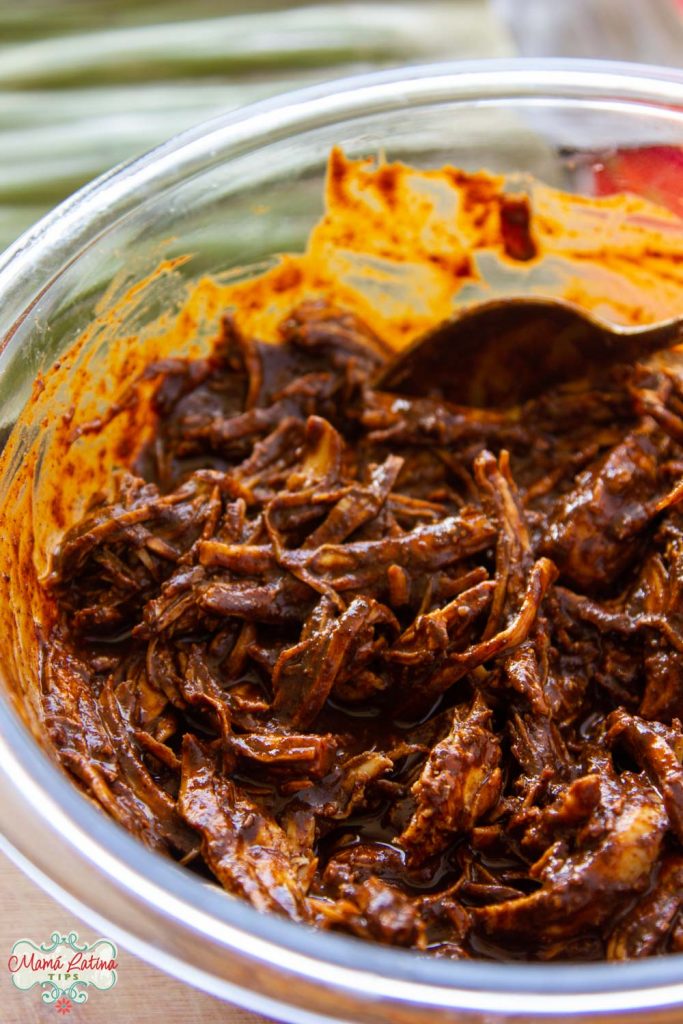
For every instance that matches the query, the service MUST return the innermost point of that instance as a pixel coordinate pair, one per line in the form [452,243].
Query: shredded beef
[389,665]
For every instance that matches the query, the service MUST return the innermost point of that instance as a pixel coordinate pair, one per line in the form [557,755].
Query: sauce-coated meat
[386,665]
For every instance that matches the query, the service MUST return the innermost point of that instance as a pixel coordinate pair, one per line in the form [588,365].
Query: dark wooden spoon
[501,353]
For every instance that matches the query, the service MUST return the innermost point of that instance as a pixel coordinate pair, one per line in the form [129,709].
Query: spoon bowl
[501,353]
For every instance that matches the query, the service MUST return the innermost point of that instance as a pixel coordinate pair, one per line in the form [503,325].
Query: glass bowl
[199,193]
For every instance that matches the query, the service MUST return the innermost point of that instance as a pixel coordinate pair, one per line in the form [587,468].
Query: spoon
[504,352]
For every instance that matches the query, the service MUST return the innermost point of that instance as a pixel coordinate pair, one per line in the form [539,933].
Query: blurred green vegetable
[85,85]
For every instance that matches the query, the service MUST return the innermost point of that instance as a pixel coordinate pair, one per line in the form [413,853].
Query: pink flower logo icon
[63,1006]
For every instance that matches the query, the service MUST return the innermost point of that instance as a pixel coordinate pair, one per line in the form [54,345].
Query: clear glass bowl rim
[27,270]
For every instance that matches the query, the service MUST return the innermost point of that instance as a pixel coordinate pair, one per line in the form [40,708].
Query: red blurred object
[654,172]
